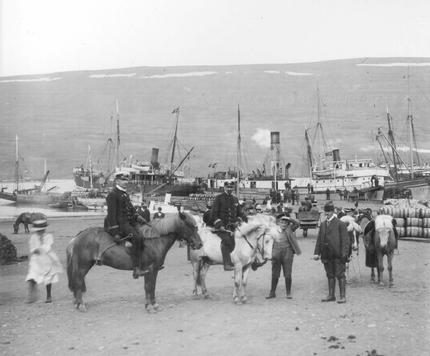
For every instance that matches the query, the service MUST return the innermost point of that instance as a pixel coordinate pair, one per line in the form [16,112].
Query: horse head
[259,236]
[188,230]
[383,230]
[354,230]
[15,228]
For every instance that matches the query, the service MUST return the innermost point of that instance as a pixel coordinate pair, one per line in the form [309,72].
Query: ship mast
[238,151]
[17,163]
[393,144]
[117,134]
[309,151]
[176,111]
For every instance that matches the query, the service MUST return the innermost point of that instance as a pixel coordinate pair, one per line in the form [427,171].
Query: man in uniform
[121,221]
[332,247]
[226,214]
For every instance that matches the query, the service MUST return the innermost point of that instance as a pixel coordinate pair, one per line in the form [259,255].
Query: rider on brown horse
[121,221]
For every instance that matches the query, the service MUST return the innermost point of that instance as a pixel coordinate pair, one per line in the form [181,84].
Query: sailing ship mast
[175,138]
[17,163]
[238,151]
[118,141]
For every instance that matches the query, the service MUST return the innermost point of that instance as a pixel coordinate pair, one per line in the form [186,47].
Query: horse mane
[383,222]
[167,224]
[247,229]
[351,224]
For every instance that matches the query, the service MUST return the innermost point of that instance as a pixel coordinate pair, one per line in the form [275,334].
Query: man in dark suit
[159,214]
[121,221]
[226,214]
[332,247]
[144,213]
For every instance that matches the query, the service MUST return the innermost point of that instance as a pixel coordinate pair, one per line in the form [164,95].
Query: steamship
[331,172]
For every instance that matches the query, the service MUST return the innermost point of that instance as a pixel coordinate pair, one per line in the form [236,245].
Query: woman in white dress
[44,265]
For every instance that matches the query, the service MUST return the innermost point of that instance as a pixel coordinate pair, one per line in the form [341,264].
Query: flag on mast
[175,111]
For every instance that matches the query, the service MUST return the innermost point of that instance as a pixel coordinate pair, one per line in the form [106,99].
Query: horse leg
[348,279]
[372,274]
[390,267]
[203,271]
[237,283]
[76,272]
[380,268]
[245,272]
[26,229]
[150,291]
[196,275]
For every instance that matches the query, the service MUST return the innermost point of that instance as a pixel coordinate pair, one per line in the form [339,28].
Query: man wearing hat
[332,247]
[121,221]
[284,248]
[226,214]
[144,212]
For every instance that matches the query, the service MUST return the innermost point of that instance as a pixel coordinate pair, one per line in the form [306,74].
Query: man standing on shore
[332,247]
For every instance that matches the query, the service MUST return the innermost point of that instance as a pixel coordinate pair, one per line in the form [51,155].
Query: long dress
[45,266]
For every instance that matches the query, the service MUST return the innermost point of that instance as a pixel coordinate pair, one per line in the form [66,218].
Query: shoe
[48,300]
[329,299]
[228,267]
[271,295]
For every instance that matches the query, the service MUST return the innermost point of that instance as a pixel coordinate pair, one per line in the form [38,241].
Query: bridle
[257,247]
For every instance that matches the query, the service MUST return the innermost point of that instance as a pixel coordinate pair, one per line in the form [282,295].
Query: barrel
[414,222]
[426,222]
[426,232]
[414,231]
[402,231]
[400,222]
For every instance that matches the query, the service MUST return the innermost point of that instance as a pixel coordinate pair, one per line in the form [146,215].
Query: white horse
[354,230]
[251,240]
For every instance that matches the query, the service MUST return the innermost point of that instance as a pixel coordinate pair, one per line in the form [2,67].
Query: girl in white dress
[44,265]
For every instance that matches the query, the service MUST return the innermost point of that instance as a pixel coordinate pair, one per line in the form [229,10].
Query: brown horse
[27,218]
[95,246]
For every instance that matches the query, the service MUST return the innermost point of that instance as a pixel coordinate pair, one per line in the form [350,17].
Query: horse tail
[73,271]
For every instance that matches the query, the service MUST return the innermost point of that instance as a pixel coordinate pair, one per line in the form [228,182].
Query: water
[9,210]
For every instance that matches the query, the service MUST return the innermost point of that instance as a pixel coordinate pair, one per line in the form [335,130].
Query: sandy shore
[392,321]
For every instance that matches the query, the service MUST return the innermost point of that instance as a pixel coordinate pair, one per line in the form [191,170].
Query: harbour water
[9,210]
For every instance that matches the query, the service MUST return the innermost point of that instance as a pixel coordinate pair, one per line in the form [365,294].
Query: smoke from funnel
[262,138]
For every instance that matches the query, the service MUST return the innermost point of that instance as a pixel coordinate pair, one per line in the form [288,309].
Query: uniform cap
[329,206]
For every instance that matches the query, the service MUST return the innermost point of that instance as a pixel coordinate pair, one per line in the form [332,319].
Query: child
[284,248]
[44,265]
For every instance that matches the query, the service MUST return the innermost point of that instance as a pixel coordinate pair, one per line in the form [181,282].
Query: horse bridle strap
[256,247]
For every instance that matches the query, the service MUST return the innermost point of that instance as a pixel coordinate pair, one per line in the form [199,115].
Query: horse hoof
[157,307]
[236,300]
[82,308]
[391,284]
[206,296]
[244,300]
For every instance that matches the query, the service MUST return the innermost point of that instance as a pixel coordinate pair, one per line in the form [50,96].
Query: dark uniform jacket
[145,214]
[227,209]
[120,209]
[333,241]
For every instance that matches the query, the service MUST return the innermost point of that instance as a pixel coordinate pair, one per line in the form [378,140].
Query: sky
[47,36]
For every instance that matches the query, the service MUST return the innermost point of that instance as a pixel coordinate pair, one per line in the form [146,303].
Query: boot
[137,261]
[288,287]
[48,293]
[342,288]
[331,287]
[228,265]
[32,292]
[273,288]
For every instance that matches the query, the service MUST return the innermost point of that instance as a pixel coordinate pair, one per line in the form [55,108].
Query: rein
[256,248]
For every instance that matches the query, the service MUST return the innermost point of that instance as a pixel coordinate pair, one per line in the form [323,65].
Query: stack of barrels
[411,222]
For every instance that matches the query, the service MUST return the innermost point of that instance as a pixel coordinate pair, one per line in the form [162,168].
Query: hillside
[57,116]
